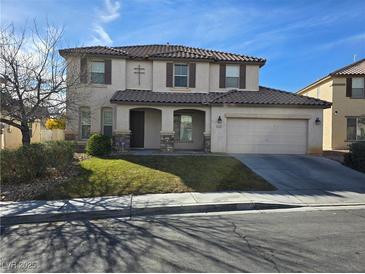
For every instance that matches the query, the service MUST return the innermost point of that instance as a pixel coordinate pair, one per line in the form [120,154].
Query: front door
[137,128]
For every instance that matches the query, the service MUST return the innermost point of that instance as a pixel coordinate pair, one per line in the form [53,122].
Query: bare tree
[33,76]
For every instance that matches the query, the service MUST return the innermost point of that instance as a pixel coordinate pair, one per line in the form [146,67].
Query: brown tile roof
[265,96]
[164,52]
[354,69]
[97,50]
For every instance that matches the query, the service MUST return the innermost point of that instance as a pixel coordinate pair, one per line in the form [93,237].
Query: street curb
[137,212]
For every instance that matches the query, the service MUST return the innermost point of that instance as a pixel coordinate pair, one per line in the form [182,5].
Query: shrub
[32,161]
[98,145]
[60,154]
[8,163]
[356,157]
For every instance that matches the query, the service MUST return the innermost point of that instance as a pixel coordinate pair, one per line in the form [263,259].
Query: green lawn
[158,174]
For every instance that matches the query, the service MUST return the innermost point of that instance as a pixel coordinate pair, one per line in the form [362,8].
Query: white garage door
[269,136]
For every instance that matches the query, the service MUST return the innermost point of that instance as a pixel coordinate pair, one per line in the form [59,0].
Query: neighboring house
[176,97]
[344,122]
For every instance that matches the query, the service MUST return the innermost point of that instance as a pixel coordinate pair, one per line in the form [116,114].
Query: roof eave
[274,105]
[119,102]
[325,78]
[348,75]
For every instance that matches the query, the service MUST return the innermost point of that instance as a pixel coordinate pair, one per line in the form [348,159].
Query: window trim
[363,88]
[97,61]
[187,75]
[102,119]
[238,77]
[353,117]
[80,125]
[178,140]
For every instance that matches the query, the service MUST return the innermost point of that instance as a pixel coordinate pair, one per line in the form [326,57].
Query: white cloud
[101,37]
[110,12]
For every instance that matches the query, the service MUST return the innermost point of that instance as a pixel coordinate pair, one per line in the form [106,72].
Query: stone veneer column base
[207,142]
[167,141]
[121,141]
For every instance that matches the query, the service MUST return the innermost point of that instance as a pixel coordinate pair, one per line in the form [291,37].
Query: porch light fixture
[219,121]
[317,121]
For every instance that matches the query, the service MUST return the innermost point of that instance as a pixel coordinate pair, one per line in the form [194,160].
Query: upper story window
[181,74]
[358,90]
[356,129]
[232,76]
[97,75]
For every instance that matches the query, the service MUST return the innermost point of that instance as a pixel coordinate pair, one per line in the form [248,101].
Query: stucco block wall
[219,132]
[342,108]
[12,136]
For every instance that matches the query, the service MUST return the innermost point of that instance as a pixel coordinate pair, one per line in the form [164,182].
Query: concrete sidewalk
[172,203]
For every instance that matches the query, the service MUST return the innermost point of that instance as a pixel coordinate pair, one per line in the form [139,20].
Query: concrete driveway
[301,173]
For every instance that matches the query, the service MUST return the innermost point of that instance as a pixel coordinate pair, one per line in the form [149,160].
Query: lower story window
[356,129]
[107,122]
[183,127]
[85,122]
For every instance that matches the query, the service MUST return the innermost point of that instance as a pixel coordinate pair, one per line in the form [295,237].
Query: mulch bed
[31,190]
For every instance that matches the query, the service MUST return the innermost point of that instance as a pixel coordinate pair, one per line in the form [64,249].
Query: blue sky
[301,40]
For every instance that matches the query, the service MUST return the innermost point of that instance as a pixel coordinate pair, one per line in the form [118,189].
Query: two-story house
[344,122]
[176,97]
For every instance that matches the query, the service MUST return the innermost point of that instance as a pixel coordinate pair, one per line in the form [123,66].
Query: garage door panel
[272,136]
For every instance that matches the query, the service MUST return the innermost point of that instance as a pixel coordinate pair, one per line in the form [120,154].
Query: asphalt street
[266,241]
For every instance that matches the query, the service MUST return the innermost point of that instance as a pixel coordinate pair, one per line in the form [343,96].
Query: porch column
[207,134]
[121,134]
[167,133]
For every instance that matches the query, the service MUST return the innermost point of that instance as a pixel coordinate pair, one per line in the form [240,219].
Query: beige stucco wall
[219,132]
[167,116]
[252,78]
[323,91]
[145,78]
[160,120]
[343,107]
[201,84]
[95,96]
[11,137]
[335,118]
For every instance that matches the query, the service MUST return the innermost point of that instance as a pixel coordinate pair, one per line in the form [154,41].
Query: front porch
[165,128]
